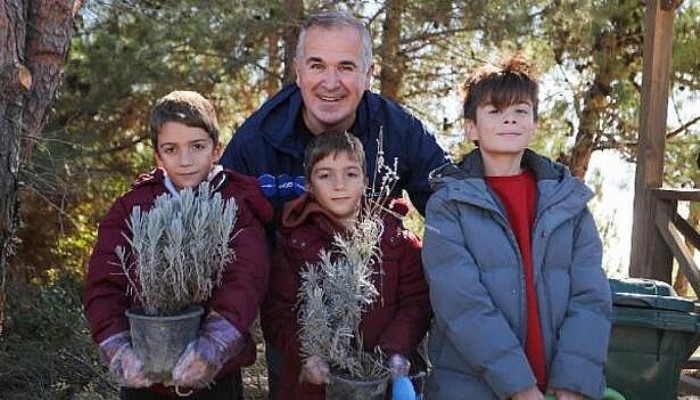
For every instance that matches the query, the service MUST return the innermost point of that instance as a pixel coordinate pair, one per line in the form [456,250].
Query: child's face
[187,154]
[503,131]
[337,182]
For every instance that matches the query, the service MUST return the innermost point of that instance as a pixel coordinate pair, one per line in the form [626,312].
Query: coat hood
[555,184]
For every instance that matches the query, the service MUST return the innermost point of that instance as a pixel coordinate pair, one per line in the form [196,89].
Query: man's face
[331,78]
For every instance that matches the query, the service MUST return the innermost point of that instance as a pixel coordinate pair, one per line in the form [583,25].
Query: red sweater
[518,194]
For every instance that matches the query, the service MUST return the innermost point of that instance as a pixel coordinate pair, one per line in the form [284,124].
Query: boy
[185,136]
[335,172]
[513,259]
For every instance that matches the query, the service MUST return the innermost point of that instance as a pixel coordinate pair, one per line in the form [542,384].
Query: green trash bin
[653,333]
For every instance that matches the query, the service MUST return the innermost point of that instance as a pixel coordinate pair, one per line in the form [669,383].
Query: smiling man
[334,70]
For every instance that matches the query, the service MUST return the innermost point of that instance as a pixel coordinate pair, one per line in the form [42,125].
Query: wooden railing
[677,232]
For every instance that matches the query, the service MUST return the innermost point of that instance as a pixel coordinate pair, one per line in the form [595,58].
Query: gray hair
[337,19]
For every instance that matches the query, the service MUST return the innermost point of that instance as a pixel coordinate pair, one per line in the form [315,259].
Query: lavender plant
[338,289]
[178,249]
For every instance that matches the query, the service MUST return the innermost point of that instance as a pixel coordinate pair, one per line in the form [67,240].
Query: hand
[124,365]
[315,370]
[531,393]
[563,394]
[218,342]
[398,366]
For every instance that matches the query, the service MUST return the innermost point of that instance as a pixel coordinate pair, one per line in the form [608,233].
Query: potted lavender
[179,249]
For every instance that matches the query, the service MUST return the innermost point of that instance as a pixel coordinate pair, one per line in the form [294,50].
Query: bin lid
[641,286]
[648,293]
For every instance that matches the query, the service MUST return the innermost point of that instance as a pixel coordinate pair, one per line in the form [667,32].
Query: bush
[46,351]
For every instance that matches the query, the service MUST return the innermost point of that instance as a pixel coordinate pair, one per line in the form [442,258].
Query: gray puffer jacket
[477,289]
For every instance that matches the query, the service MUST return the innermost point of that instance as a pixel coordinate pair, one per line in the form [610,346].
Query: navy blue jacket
[266,146]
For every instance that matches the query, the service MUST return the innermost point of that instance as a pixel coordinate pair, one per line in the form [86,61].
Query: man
[334,69]
[333,65]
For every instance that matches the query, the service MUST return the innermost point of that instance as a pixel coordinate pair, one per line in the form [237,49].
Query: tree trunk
[589,129]
[393,65]
[35,40]
[295,16]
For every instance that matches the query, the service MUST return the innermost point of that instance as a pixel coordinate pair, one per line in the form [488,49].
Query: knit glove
[218,342]
[124,365]
[315,370]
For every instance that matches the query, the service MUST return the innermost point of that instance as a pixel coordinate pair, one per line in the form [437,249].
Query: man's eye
[168,150]
[353,175]
[198,147]
[346,68]
[316,67]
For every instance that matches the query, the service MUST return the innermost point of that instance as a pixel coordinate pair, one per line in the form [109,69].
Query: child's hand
[531,393]
[563,394]
[219,341]
[398,366]
[124,365]
[315,370]
[128,368]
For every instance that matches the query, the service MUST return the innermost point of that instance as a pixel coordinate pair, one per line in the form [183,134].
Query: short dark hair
[337,19]
[512,81]
[330,143]
[186,107]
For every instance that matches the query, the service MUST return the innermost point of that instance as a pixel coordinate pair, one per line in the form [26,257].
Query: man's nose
[331,78]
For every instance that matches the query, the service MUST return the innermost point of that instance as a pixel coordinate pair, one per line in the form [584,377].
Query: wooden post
[650,257]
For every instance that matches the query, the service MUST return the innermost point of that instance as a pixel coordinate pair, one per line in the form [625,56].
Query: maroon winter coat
[396,324]
[244,281]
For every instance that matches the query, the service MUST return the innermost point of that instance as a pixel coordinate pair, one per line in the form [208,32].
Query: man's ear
[370,74]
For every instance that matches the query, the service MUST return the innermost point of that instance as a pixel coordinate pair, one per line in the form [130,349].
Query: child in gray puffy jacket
[513,259]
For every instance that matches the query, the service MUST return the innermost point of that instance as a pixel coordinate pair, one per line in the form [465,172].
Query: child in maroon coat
[397,322]
[184,133]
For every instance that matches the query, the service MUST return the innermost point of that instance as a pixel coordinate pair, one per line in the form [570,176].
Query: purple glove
[218,342]
[315,370]
[124,365]
[398,366]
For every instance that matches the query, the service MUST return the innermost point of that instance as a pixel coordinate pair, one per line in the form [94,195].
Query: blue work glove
[218,342]
[402,389]
[124,365]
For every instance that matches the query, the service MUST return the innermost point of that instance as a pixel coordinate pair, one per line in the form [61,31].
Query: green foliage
[46,351]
